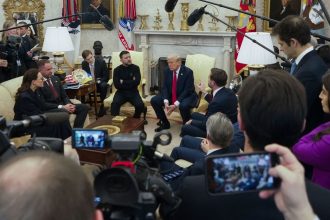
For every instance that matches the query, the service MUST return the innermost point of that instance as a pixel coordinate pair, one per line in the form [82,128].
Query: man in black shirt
[126,79]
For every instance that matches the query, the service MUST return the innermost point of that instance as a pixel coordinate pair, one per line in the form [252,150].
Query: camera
[14,41]
[89,138]
[133,188]
[7,150]
[233,173]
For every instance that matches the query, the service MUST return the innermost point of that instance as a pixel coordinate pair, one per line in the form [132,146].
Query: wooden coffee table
[105,157]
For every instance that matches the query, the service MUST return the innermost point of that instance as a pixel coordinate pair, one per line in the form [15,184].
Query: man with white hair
[178,91]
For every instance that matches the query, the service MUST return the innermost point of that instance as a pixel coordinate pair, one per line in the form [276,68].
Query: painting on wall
[279,9]
[94,9]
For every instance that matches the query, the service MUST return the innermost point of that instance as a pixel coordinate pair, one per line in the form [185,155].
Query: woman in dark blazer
[29,102]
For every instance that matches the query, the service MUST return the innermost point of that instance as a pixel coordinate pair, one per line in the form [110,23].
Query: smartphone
[234,173]
[89,138]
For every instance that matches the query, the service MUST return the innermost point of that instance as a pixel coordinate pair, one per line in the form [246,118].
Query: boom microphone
[195,15]
[170,5]
[48,118]
[104,19]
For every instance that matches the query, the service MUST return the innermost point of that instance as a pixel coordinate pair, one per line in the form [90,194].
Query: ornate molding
[31,6]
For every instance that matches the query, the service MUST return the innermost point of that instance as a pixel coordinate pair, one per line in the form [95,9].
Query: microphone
[104,20]
[162,156]
[48,118]
[195,16]
[170,5]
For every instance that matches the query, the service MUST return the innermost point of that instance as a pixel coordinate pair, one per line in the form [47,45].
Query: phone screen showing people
[89,138]
[234,173]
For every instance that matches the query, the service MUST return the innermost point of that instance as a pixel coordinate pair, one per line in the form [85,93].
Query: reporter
[291,198]
[5,66]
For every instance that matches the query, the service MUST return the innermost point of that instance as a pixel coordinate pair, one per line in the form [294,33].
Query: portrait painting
[279,9]
[95,9]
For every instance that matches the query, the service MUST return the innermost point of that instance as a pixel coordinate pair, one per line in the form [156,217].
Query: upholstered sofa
[8,90]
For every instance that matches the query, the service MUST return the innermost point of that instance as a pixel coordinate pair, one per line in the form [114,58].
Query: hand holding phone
[233,173]
[291,197]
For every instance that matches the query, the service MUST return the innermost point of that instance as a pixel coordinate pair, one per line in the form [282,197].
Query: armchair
[201,65]
[137,58]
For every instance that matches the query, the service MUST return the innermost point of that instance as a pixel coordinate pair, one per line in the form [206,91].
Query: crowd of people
[274,111]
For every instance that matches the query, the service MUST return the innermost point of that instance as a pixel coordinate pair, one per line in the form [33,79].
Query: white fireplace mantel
[155,44]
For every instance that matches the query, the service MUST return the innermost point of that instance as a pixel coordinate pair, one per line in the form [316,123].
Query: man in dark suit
[55,97]
[178,91]
[24,50]
[126,78]
[190,148]
[100,73]
[263,124]
[221,100]
[219,136]
[307,67]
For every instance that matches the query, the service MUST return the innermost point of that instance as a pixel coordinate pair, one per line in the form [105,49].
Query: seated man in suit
[55,97]
[219,135]
[190,148]
[126,78]
[222,100]
[263,124]
[178,91]
[100,73]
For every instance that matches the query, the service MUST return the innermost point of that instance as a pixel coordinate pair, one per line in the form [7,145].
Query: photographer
[7,52]
[43,185]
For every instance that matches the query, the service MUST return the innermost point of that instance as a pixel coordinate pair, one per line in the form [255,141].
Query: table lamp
[58,41]
[254,55]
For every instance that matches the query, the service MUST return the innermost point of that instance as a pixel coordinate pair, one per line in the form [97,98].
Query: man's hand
[291,198]
[171,108]
[70,108]
[201,87]
[205,145]
[3,63]
[29,53]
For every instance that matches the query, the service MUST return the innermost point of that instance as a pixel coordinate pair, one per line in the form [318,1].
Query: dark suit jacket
[26,60]
[185,84]
[100,69]
[309,72]
[50,101]
[224,101]
[28,103]
[198,204]
[198,167]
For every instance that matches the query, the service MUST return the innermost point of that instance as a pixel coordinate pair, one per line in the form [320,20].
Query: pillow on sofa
[12,85]
[7,104]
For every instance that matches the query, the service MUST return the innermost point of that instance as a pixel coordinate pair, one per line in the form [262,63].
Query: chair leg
[145,115]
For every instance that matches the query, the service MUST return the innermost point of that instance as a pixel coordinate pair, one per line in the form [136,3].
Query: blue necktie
[293,67]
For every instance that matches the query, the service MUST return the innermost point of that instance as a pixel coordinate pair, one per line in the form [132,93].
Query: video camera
[14,41]
[8,150]
[133,188]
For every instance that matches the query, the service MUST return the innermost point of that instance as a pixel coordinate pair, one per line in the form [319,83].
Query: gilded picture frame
[29,11]
[91,21]
[274,9]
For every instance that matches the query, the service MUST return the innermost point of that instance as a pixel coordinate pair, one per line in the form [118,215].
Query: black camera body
[7,150]
[133,188]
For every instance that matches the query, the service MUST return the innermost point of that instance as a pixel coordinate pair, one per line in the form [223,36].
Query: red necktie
[174,88]
[52,89]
